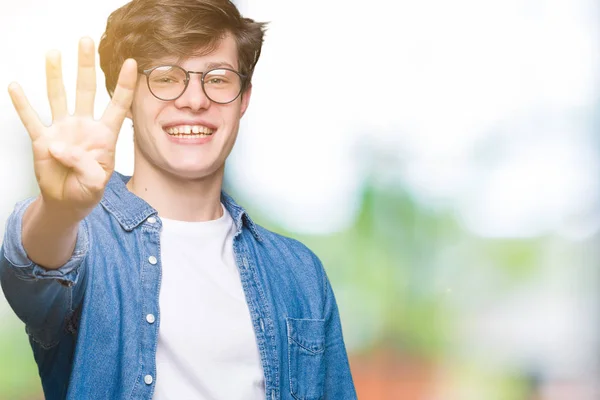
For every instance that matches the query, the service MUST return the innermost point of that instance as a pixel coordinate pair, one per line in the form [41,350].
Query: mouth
[189,131]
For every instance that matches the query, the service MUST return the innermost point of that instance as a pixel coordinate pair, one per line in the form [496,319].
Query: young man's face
[188,156]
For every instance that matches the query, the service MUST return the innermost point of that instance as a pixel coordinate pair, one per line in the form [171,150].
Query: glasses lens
[168,82]
[222,85]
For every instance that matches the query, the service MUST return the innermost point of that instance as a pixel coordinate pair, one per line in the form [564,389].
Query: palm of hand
[75,156]
[89,141]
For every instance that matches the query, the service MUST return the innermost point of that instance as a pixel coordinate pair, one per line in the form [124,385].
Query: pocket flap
[308,333]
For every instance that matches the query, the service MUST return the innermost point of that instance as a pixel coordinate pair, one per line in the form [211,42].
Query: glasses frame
[148,71]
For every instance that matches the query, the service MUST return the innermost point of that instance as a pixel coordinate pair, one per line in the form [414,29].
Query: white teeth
[193,135]
[190,129]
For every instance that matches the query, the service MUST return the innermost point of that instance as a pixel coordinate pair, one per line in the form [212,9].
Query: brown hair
[150,29]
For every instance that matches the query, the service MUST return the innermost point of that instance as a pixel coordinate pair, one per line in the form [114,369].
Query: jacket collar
[130,210]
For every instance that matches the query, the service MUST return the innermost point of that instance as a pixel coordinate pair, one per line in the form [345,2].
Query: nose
[193,97]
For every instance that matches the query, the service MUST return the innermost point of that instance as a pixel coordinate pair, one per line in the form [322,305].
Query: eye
[219,78]
[165,78]
[215,81]
[167,75]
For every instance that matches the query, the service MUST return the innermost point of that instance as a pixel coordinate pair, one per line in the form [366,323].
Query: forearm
[42,298]
[49,234]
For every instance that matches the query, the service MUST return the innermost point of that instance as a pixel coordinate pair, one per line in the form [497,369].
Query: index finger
[122,97]
[28,116]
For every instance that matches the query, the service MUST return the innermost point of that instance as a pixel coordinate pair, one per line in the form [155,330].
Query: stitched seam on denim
[320,351]
[252,226]
[239,221]
[142,262]
[290,367]
[138,381]
[157,293]
[42,345]
[266,312]
[322,320]
[112,210]
[21,274]
[245,277]
[260,333]
[14,265]
[128,223]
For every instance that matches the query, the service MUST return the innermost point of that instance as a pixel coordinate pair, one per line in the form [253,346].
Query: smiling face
[189,137]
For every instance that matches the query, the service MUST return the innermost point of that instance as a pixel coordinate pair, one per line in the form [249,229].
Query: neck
[179,198]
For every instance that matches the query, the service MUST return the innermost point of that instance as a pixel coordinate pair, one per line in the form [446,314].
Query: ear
[245,100]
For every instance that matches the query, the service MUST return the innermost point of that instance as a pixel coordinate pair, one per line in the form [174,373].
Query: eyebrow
[217,64]
[209,66]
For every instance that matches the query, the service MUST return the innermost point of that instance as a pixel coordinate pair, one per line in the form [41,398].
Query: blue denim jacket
[87,320]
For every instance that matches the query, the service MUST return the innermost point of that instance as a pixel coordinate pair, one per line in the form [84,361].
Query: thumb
[87,170]
[57,150]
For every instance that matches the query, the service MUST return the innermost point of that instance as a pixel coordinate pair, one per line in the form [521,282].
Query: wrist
[58,214]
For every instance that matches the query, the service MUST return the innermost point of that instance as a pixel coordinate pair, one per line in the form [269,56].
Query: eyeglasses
[169,82]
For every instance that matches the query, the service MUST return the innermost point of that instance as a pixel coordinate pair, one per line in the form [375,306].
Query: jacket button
[148,379]
[152,260]
[152,220]
[150,318]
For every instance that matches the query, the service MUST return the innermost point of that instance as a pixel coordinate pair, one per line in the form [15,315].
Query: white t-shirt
[206,344]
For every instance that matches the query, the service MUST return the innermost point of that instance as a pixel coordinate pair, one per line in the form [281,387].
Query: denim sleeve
[338,378]
[43,299]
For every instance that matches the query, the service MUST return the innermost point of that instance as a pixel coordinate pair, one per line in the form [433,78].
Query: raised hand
[74,157]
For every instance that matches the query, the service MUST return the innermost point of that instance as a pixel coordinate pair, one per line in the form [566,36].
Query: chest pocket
[306,352]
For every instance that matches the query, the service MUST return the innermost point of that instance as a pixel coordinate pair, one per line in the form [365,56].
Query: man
[160,285]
